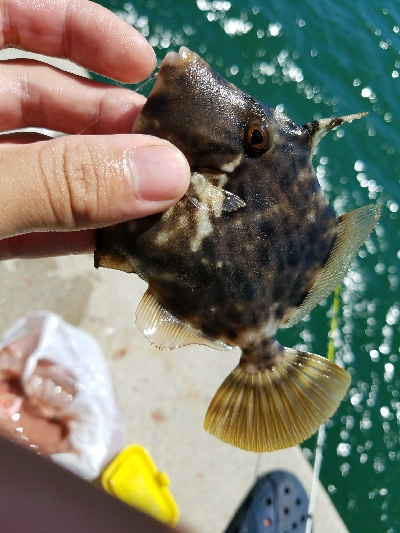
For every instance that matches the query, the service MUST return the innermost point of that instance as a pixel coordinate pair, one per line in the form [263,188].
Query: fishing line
[258,466]
[149,79]
[137,90]
[322,430]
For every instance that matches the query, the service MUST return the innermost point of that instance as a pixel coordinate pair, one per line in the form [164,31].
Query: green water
[321,59]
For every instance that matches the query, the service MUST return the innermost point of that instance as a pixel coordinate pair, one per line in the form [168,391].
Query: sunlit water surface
[314,60]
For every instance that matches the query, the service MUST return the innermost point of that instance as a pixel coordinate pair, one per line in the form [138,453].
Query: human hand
[52,188]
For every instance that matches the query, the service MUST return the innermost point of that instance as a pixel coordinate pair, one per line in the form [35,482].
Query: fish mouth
[209,173]
[179,69]
[177,59]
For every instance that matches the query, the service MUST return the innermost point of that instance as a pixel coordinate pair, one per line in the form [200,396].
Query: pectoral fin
[353,229]
[278,407]
[164,330]
[205,195]
[230,202]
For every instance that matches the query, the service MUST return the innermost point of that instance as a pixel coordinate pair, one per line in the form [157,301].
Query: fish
[252,247]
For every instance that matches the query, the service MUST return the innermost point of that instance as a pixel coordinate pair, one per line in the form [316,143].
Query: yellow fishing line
[334,324]
[321,432]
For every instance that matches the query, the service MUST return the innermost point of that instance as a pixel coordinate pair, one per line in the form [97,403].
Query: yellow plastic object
[133,478]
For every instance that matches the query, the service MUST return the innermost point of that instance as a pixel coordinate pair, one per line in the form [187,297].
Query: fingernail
[159,173]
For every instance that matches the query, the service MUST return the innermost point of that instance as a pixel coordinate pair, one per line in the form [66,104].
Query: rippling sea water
[315,60]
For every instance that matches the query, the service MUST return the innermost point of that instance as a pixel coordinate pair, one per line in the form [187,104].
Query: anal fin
[353,229]
[164,330]
[278,407]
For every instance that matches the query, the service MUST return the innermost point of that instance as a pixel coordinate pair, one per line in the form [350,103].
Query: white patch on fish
[230,167]
[203,230]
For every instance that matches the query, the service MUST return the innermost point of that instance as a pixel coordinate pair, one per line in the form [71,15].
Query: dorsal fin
[319,128]
[164,330]
[353,229]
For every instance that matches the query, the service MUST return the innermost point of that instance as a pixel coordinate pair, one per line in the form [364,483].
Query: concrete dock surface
[163,394]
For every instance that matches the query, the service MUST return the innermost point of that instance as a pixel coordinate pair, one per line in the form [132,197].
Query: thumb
[78,182]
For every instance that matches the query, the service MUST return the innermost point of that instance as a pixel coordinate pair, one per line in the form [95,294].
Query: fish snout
[178,59]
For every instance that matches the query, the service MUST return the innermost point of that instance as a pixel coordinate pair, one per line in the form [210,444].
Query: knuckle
[74,180]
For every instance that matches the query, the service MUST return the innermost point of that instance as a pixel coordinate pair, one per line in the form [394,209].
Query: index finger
[79,30]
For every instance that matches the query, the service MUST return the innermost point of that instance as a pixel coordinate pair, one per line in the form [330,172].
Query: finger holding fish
[82,31]
[91,178]
[41,96]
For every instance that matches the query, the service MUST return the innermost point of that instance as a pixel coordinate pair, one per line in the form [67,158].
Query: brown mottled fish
[252,247]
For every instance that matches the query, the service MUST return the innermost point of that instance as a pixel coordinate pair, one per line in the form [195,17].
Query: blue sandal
[277,503]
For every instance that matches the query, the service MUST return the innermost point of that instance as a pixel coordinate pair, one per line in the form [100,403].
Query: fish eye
[258,138]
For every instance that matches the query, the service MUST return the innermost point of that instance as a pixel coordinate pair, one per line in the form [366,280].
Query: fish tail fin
[278,407]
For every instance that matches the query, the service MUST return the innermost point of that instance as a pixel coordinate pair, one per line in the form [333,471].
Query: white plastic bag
[63,377]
